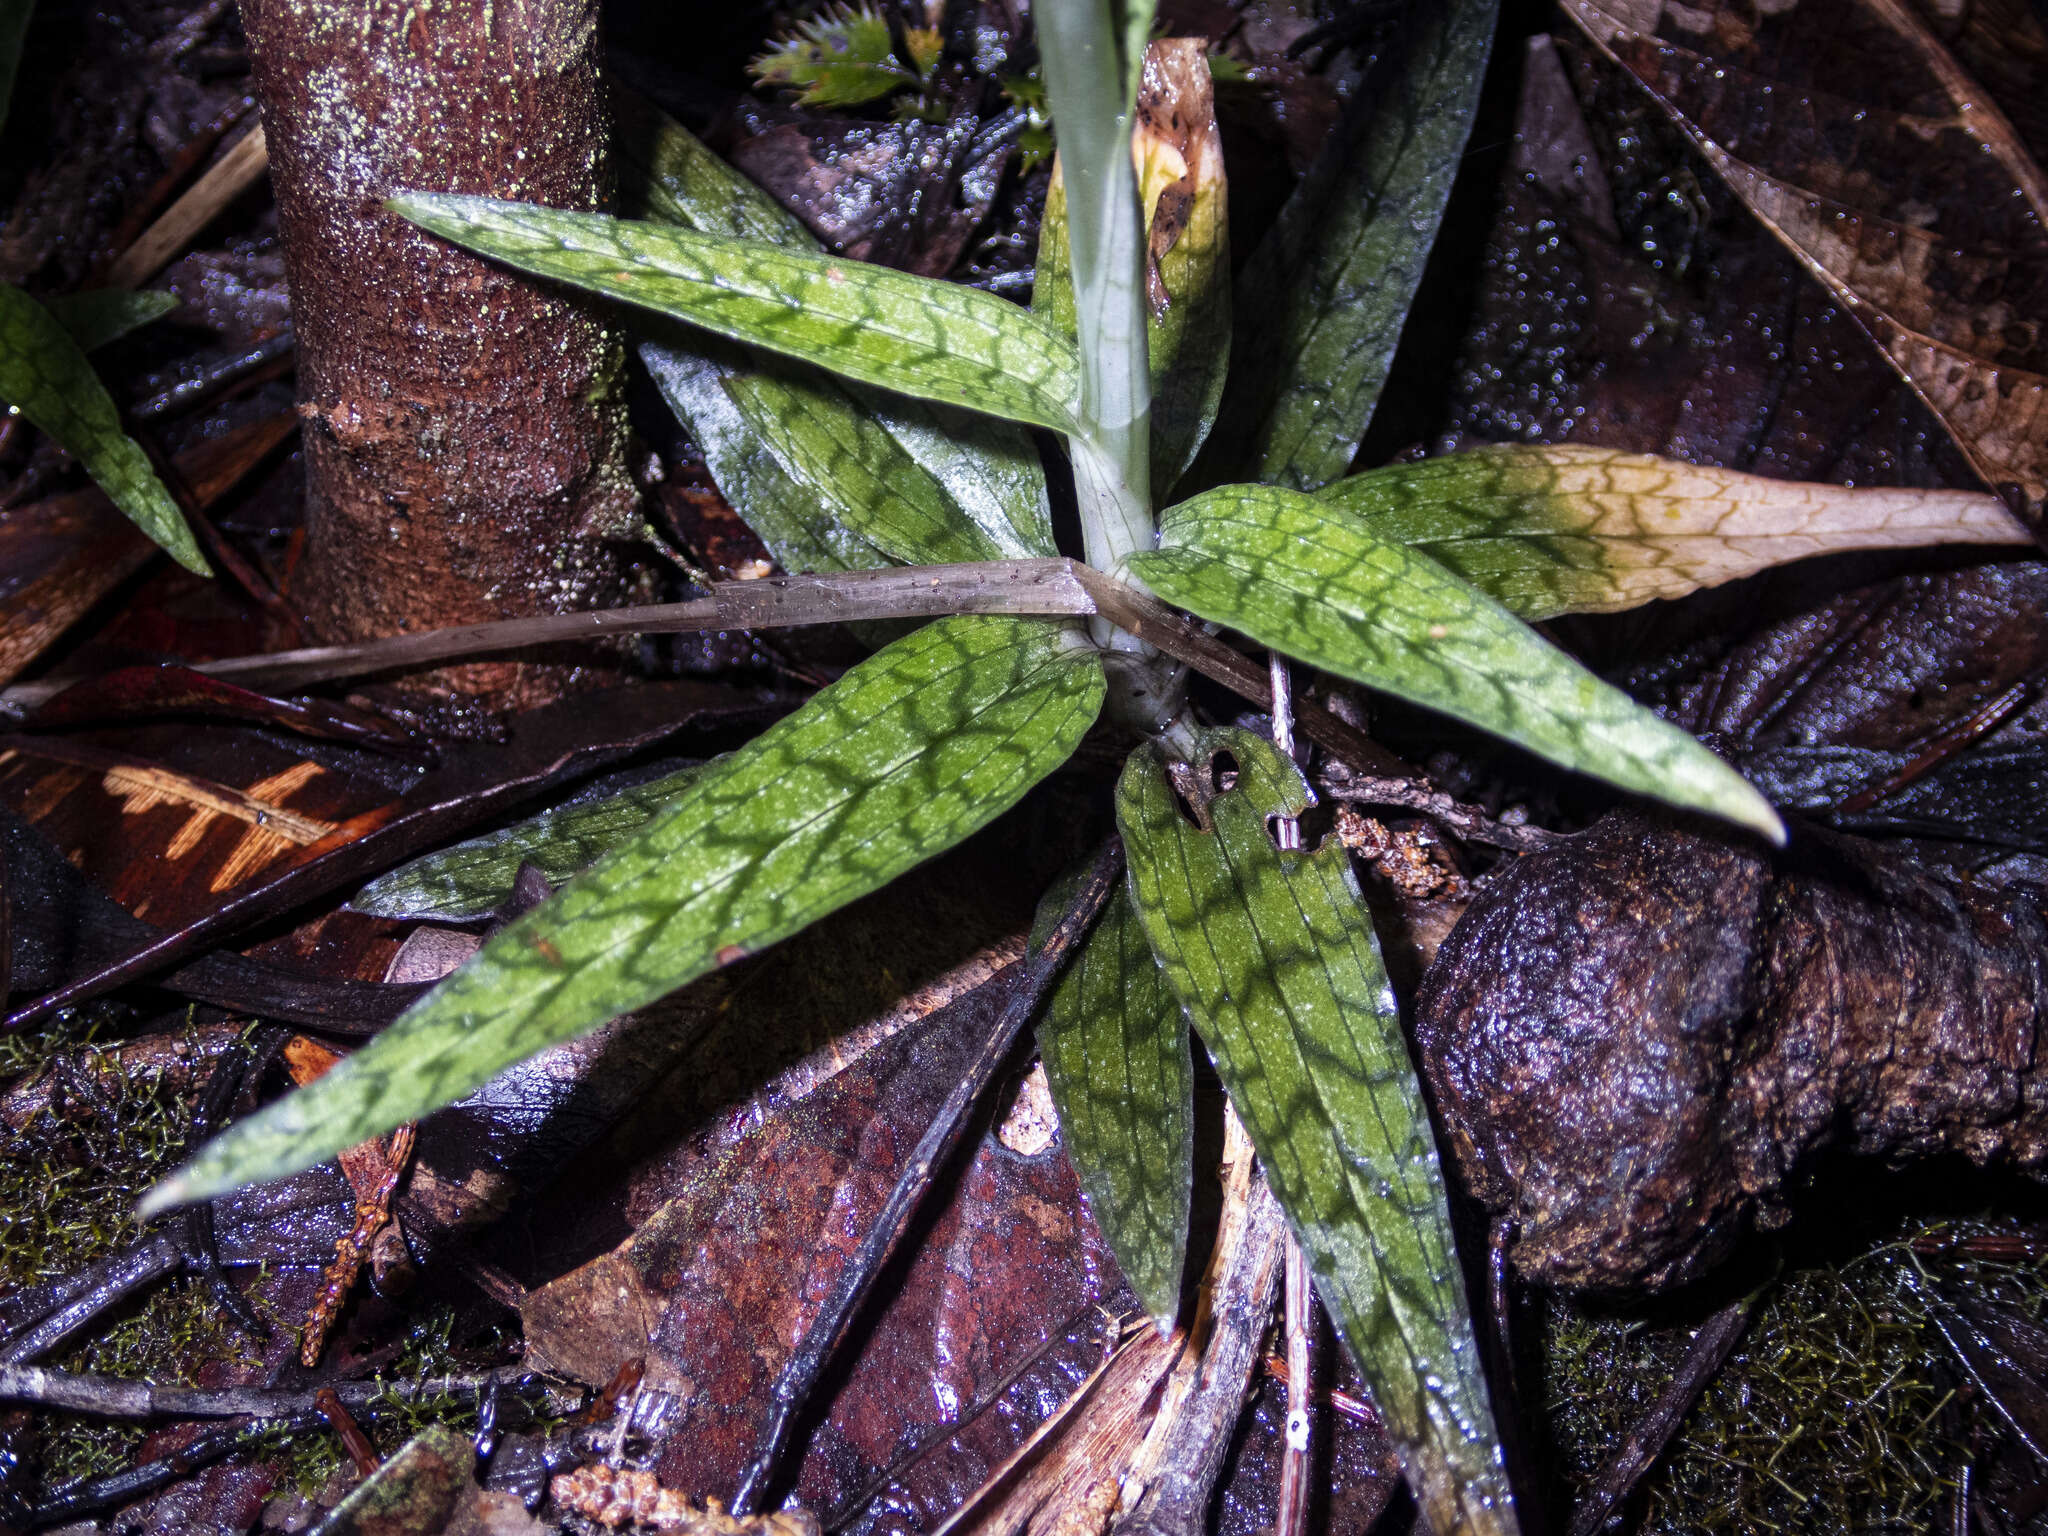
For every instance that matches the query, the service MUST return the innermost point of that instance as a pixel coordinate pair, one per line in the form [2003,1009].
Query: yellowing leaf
[1312,581]
[1574,529]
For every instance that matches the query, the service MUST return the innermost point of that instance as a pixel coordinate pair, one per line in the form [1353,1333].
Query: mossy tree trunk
[465,437]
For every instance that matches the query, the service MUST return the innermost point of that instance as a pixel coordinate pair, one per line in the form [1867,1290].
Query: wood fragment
[1709,1351]
[246,162]
[1174,1478]
[360,1452]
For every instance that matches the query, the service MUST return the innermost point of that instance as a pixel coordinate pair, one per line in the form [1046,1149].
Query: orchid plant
[860,417]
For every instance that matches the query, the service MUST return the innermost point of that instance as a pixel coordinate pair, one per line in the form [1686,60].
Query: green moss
[67,1194]
[1836,1412]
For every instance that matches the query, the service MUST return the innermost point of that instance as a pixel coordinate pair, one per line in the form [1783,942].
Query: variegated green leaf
[972,483]
[474,879]
[101,315]
[667,173]
[912,750]
[45,376]
[1322,301]
[1273,956]
[1568,529]
[1115,1049]
[936,341]
[801,521]
[1307,578]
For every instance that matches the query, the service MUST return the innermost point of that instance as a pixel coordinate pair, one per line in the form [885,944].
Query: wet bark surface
[465,435]
[1641,1039]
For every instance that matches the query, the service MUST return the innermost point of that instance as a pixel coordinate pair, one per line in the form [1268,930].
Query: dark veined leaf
[101,315]
[473,879]
[799,520]
[667,173]
[45,376]
[971,486]
[914,749]
[1322,301]
[936,341]
[1115,1049]
[1570,529]
[1305,577]
[1274,958]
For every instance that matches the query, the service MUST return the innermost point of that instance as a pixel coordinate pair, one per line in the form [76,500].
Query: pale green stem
[1111,447]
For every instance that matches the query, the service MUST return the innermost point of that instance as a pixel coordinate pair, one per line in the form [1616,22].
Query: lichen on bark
[465,433]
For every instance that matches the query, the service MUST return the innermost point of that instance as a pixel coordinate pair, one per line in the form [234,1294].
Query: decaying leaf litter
[1813,694]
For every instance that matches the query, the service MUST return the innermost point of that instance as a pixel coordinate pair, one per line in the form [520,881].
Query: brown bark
[465,435]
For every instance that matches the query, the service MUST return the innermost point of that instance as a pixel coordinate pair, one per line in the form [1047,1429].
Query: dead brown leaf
[1888,171]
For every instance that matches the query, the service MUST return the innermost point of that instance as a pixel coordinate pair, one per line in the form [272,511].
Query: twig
[191,154]
[1344,1405]
[91,1291]
[353,1440]
[1184,1453]
[279,1415]
[1709,1351]
[230,176]
[1292,1519]
[112,1397]
[201,384]
[1467,821]
[1040,587]
[1029,980]
[1286,831]
[373,1210]
[201,1255]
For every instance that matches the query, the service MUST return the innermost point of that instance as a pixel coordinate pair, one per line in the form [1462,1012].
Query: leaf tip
[172,1192]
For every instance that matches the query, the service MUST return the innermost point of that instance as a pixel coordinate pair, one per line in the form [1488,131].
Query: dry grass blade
[1900,186]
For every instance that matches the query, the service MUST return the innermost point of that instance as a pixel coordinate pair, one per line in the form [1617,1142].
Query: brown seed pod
[1640,1038]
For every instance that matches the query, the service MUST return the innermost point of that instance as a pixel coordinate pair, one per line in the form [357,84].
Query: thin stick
[1046,588]
[90,1292]
[1467,821]
[1032,978]
[1292,1519]
[1181,1473]
[233,174]
[369,1401]
[202,1256]
[112,1397]
[1710,1349]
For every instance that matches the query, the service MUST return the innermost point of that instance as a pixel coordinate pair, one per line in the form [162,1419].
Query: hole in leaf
[1189,793]
[1223,773]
